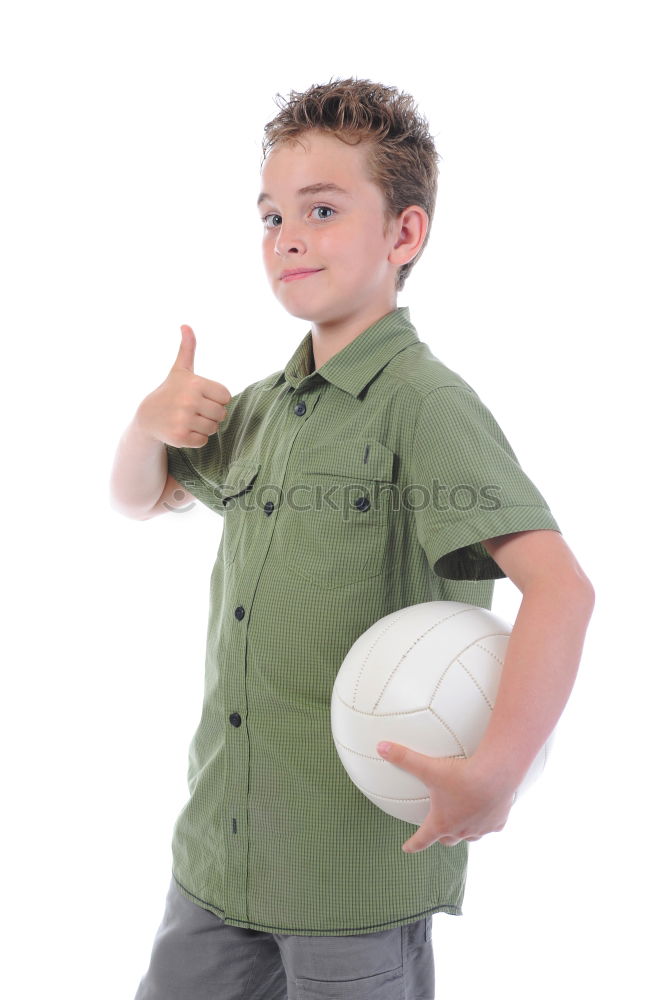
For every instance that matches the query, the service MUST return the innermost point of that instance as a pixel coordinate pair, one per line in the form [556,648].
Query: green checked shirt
[345,494]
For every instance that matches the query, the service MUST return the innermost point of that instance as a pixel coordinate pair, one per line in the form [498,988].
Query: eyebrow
[310,189]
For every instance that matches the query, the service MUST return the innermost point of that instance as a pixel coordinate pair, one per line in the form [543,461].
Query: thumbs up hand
[186,408]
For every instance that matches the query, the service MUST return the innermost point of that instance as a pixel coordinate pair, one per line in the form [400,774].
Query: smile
[300,274]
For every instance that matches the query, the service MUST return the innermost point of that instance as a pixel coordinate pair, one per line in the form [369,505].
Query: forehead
[314,158]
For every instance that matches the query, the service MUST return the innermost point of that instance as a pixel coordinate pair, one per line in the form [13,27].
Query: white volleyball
[427,677]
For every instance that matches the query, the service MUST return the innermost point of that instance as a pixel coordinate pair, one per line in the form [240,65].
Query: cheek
[352,246]
[368,242]
[267,250]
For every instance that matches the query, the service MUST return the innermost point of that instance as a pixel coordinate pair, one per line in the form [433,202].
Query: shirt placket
[291,413]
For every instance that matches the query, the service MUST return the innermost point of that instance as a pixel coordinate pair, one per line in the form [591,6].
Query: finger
[422,838]
[185,356]
[414,846]
[203,425]
[451,841]
[214,391]
[409,760]
[213,411]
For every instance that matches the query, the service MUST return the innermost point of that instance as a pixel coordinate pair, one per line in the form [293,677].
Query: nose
[289,240]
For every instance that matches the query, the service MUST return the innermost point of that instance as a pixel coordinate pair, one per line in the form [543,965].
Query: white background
[131,152]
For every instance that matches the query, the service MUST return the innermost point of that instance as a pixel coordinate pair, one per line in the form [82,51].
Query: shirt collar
[356,364]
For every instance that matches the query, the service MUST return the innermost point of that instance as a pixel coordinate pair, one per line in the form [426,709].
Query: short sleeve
[466,485]
[203,470]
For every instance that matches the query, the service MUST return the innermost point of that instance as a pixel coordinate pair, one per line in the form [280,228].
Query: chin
[301,310]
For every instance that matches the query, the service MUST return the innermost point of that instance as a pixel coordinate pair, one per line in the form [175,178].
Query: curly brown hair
[402,159]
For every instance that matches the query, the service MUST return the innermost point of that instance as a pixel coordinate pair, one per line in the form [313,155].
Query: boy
[286,879]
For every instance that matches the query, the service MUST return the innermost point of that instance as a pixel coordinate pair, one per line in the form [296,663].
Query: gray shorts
[197,956]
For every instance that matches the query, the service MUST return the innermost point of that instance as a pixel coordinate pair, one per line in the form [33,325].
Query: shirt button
[362,503]
[235,719]
[269,507]
[300,408]
[239,612]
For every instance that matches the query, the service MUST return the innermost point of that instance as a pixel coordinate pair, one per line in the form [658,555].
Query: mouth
[300,273]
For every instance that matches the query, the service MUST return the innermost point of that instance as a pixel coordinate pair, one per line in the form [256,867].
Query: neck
[329,338]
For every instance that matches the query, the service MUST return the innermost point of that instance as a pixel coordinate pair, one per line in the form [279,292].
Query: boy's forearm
[542,660]
[139,472]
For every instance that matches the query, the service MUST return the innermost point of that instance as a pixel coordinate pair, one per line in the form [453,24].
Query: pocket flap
[239,477]
[358,458]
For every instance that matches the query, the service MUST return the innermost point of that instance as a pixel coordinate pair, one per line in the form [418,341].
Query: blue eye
[325,208]
[316,208]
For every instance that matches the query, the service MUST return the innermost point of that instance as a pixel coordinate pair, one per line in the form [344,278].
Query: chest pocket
[337,522]
[236,505]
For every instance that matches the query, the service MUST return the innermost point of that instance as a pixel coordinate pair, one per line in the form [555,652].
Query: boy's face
[340,235]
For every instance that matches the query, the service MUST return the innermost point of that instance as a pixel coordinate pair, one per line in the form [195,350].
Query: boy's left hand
[464,804]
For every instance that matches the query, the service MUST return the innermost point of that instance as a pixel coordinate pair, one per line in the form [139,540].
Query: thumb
[185,358]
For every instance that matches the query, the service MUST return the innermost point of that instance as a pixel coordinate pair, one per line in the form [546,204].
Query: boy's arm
[472,797]
[139,474]
[184,412]
[543,653]
[174,497]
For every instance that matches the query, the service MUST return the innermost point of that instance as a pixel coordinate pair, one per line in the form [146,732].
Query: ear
[410,229]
